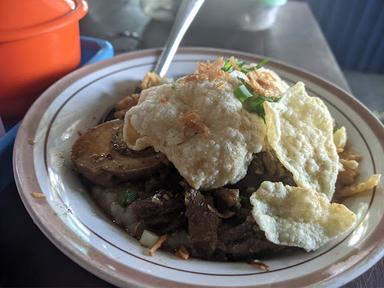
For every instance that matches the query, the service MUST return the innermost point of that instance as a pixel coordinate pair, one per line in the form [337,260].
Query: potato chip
[300,131]
[349,164]
[363,186]
[300,217]
[346,177]
[340,138]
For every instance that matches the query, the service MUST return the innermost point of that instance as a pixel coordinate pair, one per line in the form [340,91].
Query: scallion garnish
[255,104]
[252,101]
[241,65]
[127,196]
[242,93]
[262,63]
[227,66]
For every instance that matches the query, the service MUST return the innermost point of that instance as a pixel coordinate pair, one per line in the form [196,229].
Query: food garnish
[183,253]
[245,91]
[212,148]
[296,216]
[363,186]
[127,196]
[232,64]
[300,132]
[228,163]
[259,264]
[340,138]
[157,245]
[38,195]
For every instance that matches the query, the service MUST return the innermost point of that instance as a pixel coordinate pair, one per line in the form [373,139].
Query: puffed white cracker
[340,138]
[205,160]
[299,217]
[300,131]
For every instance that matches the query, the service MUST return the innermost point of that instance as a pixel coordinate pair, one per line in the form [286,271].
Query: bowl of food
[230,172]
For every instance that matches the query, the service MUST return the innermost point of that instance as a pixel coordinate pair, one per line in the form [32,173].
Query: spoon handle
[185,15]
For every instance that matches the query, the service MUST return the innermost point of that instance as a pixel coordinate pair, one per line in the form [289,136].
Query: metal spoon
[185,15]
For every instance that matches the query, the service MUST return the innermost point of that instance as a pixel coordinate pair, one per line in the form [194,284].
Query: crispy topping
[151,79]
[349,164]
[212,71]
[125,104]
[208,71]
[340,139]
[363,186]
[263,83]
[349,169]
[347,155]
[302,141]
[183,253]
[154,248]
[193,122]
[37,195]
[346,177]
[296,216]
[163,100]
[261,265]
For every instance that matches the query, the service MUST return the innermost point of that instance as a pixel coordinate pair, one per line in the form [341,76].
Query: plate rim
[30,183]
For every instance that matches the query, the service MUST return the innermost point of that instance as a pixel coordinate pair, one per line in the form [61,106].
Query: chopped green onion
[246,70]
[262,63]
[127,196]
[255,104]
[227,66]
[242,93]
[240,63]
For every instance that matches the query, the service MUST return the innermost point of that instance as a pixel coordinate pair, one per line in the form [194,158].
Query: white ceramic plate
[71,220]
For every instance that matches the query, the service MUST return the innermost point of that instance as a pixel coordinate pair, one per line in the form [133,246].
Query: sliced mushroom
[95,157]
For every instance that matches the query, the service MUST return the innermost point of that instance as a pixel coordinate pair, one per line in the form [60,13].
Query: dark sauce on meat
[212,225]
[192,219]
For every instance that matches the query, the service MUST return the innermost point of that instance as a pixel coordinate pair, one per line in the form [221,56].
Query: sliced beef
[202,224]
[273,170]
[264,167]
[177,240]
[161,213]
[244,241]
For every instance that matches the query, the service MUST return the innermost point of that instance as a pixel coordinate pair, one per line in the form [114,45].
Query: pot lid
[21,18]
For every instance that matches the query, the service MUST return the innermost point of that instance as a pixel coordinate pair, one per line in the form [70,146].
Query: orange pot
[39,43]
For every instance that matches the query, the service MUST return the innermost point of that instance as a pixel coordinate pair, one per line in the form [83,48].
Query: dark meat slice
[244,241]
[177,240]
[264,167]
[94,157]
[274,170]
[161,213]
[202,224]
[230,234]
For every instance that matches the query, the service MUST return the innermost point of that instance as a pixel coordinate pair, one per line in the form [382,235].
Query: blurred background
[353,30]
